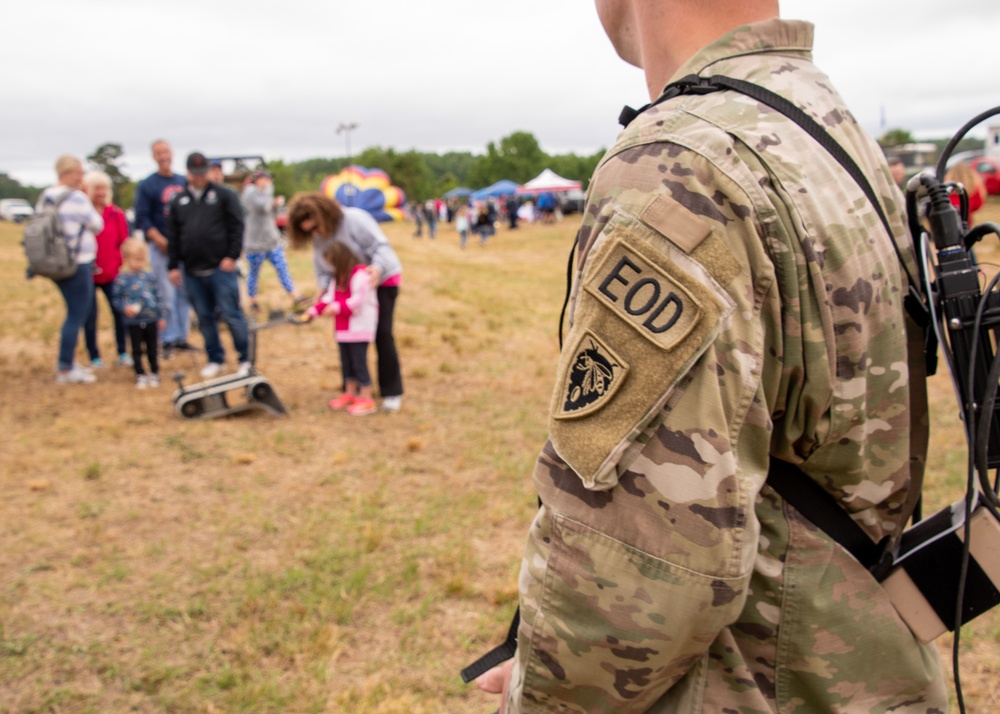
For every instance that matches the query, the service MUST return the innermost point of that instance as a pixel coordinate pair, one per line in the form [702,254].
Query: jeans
[90,326]
[220,290]
[176,300]
[78,293]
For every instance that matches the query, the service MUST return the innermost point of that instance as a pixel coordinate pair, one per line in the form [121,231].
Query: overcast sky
[277,78]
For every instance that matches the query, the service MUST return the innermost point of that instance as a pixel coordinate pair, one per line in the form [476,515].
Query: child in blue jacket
[136,296]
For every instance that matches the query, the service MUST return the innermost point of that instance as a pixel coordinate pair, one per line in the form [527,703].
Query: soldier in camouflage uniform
[736,297]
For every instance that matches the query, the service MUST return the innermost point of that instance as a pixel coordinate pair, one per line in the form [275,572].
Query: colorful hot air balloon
[369,189]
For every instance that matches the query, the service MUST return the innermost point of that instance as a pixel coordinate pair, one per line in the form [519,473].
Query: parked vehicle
[17,210]
[572,201]
[989,168]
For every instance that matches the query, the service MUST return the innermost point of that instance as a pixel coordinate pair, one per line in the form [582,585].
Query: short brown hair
[315,207]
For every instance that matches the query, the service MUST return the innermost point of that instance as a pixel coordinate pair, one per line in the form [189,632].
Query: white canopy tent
[548,182]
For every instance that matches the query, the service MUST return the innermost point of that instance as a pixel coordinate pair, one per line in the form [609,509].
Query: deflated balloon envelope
[369,189]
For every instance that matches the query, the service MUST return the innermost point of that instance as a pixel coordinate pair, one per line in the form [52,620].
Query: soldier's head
[660,35]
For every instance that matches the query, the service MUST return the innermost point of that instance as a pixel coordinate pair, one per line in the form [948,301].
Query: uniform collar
[776,35]
[786,37]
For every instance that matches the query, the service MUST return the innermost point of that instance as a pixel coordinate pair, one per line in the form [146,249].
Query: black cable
[942,164]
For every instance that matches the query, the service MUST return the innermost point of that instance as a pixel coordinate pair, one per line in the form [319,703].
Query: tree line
[421,175]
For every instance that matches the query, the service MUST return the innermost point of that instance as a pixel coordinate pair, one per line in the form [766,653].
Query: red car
[989,168]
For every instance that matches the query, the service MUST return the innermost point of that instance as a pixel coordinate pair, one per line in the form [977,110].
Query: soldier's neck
[671,33]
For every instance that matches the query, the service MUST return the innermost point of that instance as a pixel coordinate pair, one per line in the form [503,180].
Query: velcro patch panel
[642,320]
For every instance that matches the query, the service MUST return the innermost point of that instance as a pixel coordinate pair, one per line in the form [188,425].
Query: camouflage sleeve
[659,439]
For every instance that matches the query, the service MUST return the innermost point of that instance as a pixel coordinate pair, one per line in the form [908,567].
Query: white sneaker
[141,381]
[210,370]
[153,381]
[244,369]
[392,404]
[75,376]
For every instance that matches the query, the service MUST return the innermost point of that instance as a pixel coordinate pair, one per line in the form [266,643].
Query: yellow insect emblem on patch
[595,375]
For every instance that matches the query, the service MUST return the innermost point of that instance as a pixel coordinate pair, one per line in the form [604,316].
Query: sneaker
[153,381]
[244,369]
[392,404]
[210,370]
[361,407]
[75,376]
[125,360]
[141,381]
[342,402]
[97,363]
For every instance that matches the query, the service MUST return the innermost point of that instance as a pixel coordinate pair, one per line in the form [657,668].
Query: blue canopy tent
[460,192]
[500,188]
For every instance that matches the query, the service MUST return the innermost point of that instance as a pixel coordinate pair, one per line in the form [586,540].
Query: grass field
[311,563]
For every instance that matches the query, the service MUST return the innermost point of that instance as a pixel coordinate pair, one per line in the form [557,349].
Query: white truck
[16,210]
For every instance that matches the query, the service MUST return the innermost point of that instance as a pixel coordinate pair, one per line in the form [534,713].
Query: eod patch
[594,377]
[646,297]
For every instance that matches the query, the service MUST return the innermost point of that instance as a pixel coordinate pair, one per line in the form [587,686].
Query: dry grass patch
[309,563]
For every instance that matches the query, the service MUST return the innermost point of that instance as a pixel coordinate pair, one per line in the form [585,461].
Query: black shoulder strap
[819,507]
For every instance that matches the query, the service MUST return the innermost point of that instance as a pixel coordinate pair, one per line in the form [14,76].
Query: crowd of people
[480,217]
[191,231]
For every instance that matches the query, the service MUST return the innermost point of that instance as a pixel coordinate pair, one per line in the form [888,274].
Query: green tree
[895,137]
[12,188]
[106,158]
[571,166]
[408,170]
[518,157]
[455,164]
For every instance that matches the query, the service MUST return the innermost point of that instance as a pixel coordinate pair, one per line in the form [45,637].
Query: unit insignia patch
[593,378]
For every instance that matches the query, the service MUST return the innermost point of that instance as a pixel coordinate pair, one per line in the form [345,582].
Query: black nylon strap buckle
[495,656]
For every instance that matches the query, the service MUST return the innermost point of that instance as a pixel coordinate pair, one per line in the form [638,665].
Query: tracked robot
[238,392]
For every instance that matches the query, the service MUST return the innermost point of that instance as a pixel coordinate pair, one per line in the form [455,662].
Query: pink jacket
[109,245]
[358,314]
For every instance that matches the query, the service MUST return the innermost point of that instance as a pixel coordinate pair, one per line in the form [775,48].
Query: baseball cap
[260,173]
[215,163]
[197,164]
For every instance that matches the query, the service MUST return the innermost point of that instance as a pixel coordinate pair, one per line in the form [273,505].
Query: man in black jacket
[205,233]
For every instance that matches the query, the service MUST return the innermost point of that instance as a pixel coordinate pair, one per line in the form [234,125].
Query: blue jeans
[176,299]
[218,291]
[78,293]
[90,326]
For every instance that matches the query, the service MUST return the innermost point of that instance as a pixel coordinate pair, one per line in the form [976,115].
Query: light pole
[347,129]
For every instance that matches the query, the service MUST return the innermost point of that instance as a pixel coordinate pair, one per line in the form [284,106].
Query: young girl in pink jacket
[352,301]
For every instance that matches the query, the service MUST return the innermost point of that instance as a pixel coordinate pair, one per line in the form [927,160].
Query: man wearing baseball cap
[205,233]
